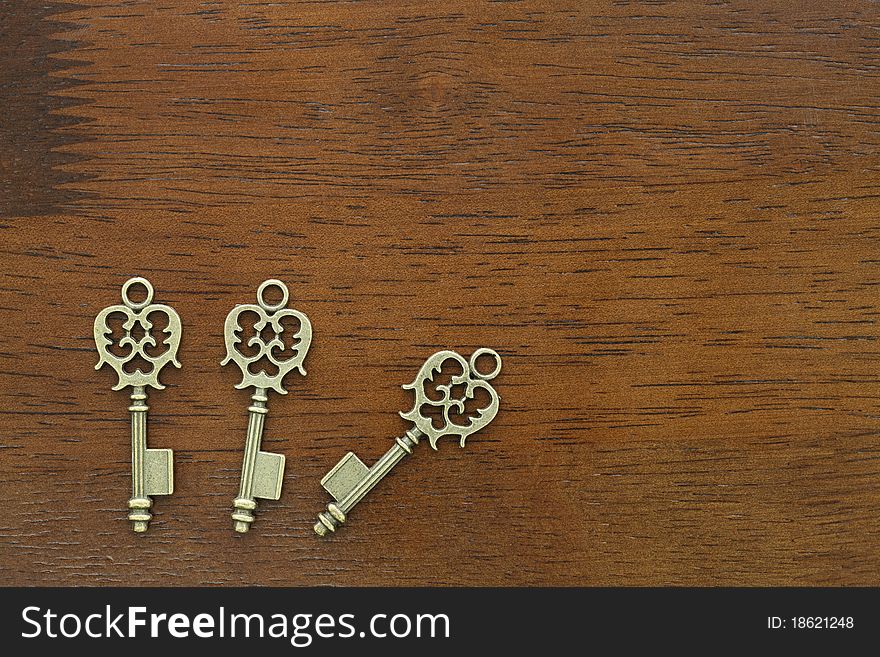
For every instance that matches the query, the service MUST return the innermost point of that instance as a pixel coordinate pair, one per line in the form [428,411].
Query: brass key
[350,480]
[152,470]
[262,473]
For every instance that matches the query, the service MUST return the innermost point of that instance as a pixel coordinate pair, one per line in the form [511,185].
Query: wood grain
[662,214]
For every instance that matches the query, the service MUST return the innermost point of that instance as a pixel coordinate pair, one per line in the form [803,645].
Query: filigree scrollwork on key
[137,338]
[272,350]
[457,411]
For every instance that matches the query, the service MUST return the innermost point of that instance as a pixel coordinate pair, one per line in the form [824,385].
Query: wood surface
[664,216]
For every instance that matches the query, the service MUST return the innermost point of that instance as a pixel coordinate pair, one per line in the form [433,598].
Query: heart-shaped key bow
[272,350]
[137,338]
[449,400]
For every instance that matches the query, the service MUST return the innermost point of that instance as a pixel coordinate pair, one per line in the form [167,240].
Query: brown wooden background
[663,214]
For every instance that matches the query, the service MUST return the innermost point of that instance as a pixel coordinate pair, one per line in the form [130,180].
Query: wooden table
[663,215]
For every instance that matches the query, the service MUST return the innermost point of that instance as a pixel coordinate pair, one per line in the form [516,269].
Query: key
[350,480]
[263,364]
[152,470]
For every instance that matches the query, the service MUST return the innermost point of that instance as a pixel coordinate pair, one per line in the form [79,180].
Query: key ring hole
[264,302]
[481,357]
[140,282]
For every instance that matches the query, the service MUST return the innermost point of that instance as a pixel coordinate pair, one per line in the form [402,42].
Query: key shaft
[139,504]
[245,503]
[337,512]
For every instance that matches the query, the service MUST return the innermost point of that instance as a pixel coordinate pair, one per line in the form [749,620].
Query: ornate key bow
[350,480]
[263,368]
[152,470]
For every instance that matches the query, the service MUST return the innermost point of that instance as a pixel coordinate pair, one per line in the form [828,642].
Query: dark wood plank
[663,217]
[32,124]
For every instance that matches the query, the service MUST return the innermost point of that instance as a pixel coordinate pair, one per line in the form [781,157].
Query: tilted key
[350,480]
[262,473]
[152,470]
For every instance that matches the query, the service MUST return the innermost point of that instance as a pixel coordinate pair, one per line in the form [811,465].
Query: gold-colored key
[152,470]
[263,360]
[350,480]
